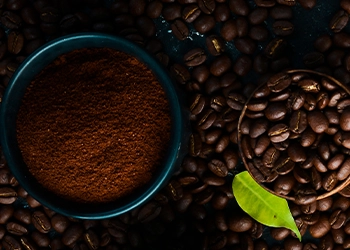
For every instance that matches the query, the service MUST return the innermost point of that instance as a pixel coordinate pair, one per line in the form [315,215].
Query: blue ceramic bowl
[12,101]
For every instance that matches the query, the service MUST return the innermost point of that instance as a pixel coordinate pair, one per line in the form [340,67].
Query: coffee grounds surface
[94,125]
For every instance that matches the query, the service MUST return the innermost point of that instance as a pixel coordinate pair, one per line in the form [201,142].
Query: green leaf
[264,207]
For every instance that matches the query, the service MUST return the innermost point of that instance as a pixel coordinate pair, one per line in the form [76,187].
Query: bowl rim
[339,187]
[66,44]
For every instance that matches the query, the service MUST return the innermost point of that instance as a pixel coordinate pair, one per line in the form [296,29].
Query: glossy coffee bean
[195,57]
[180,29]
[204,23]
[320,228]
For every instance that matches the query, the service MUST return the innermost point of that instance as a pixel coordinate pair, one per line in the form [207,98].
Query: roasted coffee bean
[317,121]
[329,181]
[283,165]
[16,229]
[207,6]
[310,102]
[261,145]
[296,152]
[275,111]
[345,119]
[283,28]
[258,33]
[41,222]
[10,243]
[258,16]
[235,101]
[204,196]
[323,43]
[344,170]
[195,57]
[215,45]
[180,29]
[180,72]
[60,223]
[279,233]
[243,65]
[240,223]
[222,12]
[335,162]
[204,23]
[219,201]
[10,20]
[197,104]
[275,48]
[265,3]
[279,82]
[218,168]
[231,158]
[339,21]
[218,103]
[320,228]
[281,12]
[7,195]
[270,157]
[190,13]
[279,133]
[174,190]
[72,234]
[283,184]
[337,219]
[305,196]
[229,30]
[15,42]
[239,7]
[298,122]
[245,45]
[154,9]
[258,128]
[220,65]
[207,119]
[213,180]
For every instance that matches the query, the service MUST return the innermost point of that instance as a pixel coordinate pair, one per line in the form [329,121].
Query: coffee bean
[10,20]
[7,195]
[258,33]
[154,9]
[190,13]
[239,7]
[258,16]
[240,223]
[10,243]
[279,132]
[41,222]
[222,12]
[218,168]
[137,7]
[207,6]
[60,223]
[279,233]
[339,21]
[261,145]
[180,29]
[204,196]
[258,128]
[317,121]
[229,30]
[275,111]
[279,82]
[284,184]
[215,45]
[245,45]
[72,234]
[283,165]
[305,196]
[220,65]
[16,228]
[320,228]
[195,57]
[243,65]
[329,181]
[204,23]
[344,170]
[283,28]
[275,48]
[265,3]
[23,215]
[181,73]
[15,42]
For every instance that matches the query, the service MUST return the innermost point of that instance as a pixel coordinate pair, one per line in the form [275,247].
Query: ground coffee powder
[94,125]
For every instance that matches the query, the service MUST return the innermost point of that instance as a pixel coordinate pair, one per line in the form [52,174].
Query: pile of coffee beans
[223,43]
[295,134]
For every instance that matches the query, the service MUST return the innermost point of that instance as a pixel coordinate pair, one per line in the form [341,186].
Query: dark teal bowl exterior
[12,101]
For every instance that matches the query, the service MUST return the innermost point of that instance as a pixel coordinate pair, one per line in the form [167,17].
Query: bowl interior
[12,101]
